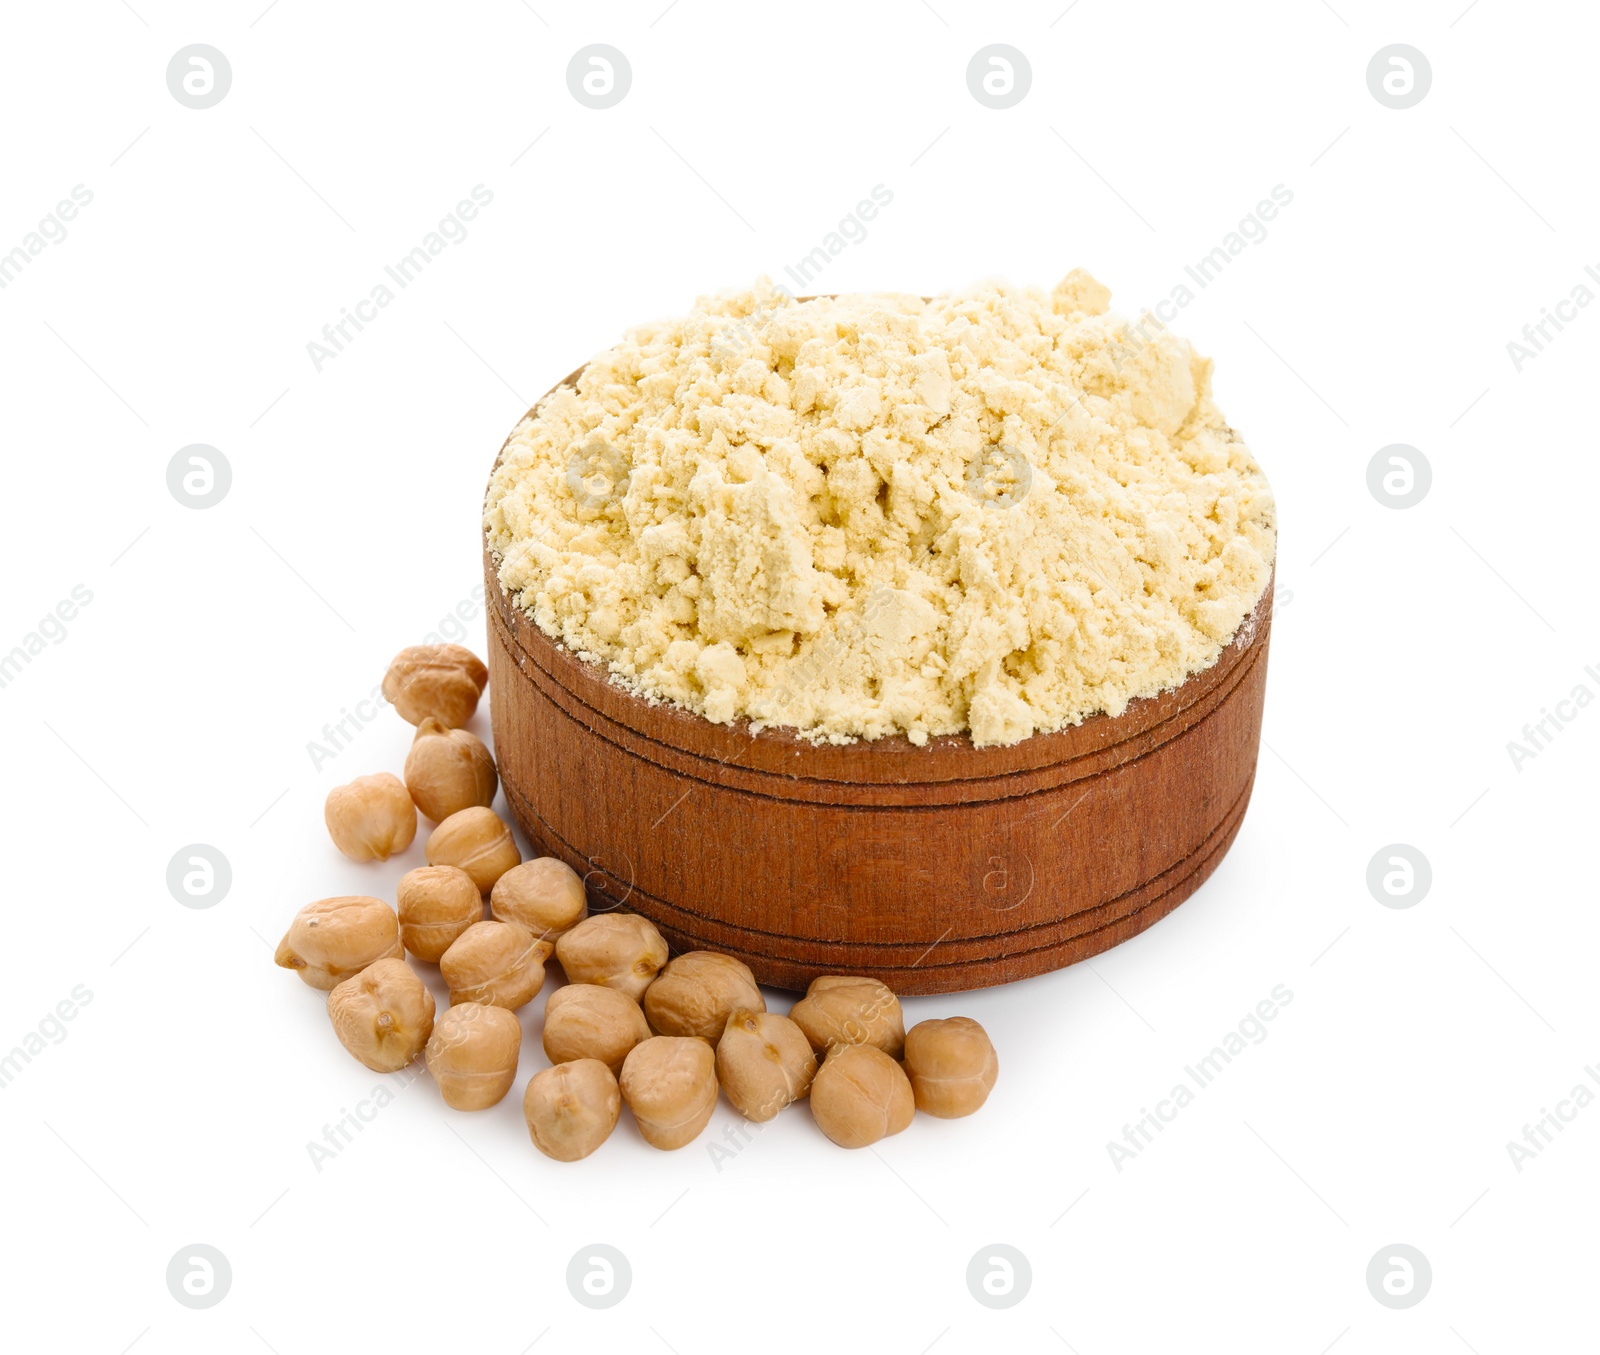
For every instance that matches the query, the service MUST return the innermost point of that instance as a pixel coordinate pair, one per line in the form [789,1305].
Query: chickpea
[331,940]
[478,841]
[437,904]
[448,770]
[383,1015]
[496,963]
[586,1021]
[952,1066]
[472,1054]
[695,993]
[616,950]
[860,1095]
[842,1010]
[670,1085]
[372,818]
[764,1062]
[545,895]
[571,1109]
[444,681]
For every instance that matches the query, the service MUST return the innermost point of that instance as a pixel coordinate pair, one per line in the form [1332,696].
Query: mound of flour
[996,512]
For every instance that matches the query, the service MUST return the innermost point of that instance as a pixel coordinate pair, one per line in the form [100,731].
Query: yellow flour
[998,512]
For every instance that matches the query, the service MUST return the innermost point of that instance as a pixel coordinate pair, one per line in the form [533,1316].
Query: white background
[1409,648]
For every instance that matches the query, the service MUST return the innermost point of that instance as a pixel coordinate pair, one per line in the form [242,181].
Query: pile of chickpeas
[631,1024]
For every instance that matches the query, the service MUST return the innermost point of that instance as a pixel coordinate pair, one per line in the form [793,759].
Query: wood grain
[934,869]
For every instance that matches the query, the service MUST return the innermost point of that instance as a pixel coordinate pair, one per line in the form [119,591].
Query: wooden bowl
[934,869]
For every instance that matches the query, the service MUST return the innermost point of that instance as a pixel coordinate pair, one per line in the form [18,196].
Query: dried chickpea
[764,1062]
[472,1054]
[437,904]
[670,1085]
[545,895]
[478,841]
[442,681]
[860,1095]
[571,1109]
[695,993]
[331,940]
[838,1009]
[586,1021]
[496,963]
[372,818]
[383,1016]
[952,1066]
[448,770]
[616,950]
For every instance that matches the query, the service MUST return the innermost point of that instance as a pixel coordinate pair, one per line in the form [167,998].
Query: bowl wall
[934,869]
